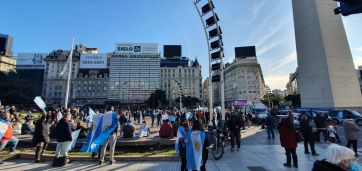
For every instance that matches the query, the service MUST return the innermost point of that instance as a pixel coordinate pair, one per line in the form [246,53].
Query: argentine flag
[3,127]
[91,114]
[106,126]
[194,149]
[92,134]
[181,135]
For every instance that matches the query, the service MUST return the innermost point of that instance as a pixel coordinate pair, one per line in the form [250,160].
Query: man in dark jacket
[269,122]
[307,131]
[63,134]
[235,123]
[321,124]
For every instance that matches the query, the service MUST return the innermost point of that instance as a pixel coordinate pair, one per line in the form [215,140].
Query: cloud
[269,47]
[359,49]
[357,61]
[277,81]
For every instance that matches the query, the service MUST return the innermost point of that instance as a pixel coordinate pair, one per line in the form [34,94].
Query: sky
[43,25]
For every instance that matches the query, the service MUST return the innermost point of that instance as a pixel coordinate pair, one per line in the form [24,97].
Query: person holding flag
[181,141]
[196,148]
[109,128]
[6,133]
[41,136]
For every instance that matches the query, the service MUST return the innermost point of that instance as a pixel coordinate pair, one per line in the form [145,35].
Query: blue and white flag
[106,126]
[194,149]
[172,118]
[75,135]
[41,104]
[189,116]
[92,134]
[181,135]
[3,127]
[91,114]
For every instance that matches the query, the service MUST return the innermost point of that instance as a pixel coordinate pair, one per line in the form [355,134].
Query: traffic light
[349,7]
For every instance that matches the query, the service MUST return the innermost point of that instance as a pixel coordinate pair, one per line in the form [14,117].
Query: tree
[295,99]
[275,99]
[157,99]
[188,101]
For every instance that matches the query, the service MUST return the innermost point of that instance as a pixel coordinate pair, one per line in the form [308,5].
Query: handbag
[299,136]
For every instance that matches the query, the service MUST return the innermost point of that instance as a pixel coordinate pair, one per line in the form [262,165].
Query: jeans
[13,143]
[112,145]
[270,131]
[62,147]
[40,148]
[291,152]
[354,144]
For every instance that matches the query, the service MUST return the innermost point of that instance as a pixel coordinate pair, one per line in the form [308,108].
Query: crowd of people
[186,127]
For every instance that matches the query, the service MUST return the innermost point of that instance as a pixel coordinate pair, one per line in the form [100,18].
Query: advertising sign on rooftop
[137,48]
[30,58]
[93,60]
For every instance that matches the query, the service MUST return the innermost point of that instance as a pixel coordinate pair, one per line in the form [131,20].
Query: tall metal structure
[213,35]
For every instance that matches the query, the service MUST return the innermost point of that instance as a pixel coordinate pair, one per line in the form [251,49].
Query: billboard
[137,48]
[30,58]
[93,60]
[247,51]
[170,51]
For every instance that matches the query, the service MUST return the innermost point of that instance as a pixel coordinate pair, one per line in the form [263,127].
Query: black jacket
[235,122]
[41,132]
[320,121]
[322,165]
[63,131]
[270,121]
[305,128]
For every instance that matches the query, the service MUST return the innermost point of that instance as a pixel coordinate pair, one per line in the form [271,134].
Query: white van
[261,111]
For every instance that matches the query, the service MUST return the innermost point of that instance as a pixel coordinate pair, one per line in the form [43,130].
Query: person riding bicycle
[235,123]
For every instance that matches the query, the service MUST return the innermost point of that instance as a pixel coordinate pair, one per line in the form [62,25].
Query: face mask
[354,166]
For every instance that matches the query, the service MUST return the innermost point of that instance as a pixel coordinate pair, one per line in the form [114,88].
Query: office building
[180,70]
[134,73]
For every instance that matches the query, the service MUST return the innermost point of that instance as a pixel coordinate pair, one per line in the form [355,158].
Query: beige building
[181,71]
[7,64]
[244,80]
[292,85]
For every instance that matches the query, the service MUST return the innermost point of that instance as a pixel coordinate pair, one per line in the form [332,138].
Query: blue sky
[44,25]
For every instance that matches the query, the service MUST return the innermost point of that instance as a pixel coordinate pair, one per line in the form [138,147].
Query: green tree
[295,99]
[275,99]
[188,101]
[157,99]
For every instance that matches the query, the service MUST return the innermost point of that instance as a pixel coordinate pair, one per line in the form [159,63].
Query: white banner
[137,48]
[41,104]
[93,60]
[30,58]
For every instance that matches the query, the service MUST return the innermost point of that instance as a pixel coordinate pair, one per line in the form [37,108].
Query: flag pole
[69,76]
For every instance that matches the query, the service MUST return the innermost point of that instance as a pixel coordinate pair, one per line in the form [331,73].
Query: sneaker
[287,165]
[101,162]
[39,161]
[295,166]
[112,162]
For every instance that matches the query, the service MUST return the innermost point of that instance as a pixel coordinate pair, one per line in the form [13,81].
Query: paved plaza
[256,154]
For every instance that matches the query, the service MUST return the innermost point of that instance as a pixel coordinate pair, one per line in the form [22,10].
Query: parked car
[338,116]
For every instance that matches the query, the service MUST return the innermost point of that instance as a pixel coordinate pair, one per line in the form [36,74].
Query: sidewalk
[256,154]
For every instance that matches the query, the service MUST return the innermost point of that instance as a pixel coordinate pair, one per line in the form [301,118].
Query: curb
[29,156]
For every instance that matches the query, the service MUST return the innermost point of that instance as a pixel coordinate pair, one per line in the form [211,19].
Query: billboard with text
[137,48]
[93,60]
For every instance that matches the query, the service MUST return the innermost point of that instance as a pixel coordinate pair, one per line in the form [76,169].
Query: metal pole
[69,76]
[210,69]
